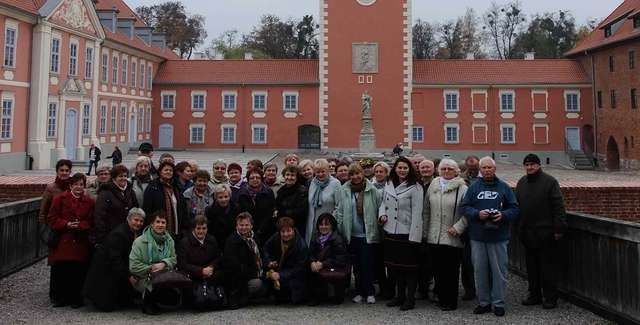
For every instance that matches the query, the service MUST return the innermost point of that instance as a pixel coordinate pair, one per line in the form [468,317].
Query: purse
[208,296]
[333,275]
[170,279]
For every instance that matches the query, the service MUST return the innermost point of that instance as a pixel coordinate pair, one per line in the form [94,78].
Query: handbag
[170,279]
[208,296]
[333,275]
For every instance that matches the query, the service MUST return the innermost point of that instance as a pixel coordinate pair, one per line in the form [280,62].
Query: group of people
[298,235]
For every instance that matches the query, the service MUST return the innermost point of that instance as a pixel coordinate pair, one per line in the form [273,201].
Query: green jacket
[344,212]
[139,264]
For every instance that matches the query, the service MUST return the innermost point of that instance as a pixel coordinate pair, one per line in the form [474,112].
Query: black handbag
[208,296]
[170,279]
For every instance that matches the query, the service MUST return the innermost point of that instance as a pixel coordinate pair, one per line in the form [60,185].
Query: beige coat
[437,214]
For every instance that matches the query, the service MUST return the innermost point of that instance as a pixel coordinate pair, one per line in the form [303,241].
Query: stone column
[62,118]
[38,146]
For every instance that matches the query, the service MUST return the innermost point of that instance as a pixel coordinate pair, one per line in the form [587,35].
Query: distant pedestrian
[146,149]
[94,157]
[116,156]
[397,150]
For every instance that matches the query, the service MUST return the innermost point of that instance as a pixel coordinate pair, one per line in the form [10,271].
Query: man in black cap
[543,223]
[146,149]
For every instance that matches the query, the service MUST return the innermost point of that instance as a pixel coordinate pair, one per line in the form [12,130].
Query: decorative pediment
[73,87]
[77,15]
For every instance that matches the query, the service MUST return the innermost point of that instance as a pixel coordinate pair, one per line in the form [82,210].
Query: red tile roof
[499,72]
[294,72]
[30,6]
[626,32]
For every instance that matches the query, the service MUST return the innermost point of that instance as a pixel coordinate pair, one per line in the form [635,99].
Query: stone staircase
[581,161]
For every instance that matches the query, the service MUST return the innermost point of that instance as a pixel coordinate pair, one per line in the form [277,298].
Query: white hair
[487,159]
[219,162]
[447,162]
[142,159]
[219,188]
[426,161]
[135,212]
[383,165]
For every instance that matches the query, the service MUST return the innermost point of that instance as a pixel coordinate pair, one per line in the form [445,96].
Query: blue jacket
[490,195]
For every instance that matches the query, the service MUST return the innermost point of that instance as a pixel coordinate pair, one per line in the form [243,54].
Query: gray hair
[219,162]
[304,164]
[219,188]
[427,161]
[142,159]
[489,160]
[383,165]
[447,162]
[136,212]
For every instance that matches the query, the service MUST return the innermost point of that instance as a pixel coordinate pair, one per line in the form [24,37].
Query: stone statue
[366,104]
[367,135]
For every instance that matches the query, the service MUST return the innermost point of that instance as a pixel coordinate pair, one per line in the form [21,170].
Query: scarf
[167,189]
[253,246]
[63,184]
[196,237]
[323,239]
[143,178]
[253,192]
[358,191]
[316,200]
[269,182]
[443,183]
[158,245]
[379,185]
[286,245]
[122,189]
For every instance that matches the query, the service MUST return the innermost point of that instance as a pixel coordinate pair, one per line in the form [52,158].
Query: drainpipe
[595,107]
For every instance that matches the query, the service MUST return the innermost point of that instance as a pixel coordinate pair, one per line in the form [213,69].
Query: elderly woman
[291,200]
[104,176]
[357,215]
[183,176]
[306,169]
[387,287]
[222,213]
[342,171]
[380,175]
[321,195]
[242,264]
[271,177]
[443,224]
[258,199]
[236,181]
[332,166]
[141,178]
[71,217]
[113,204]
[285,258]
[291,160]
[426,168]
[327,254]
[162,195]
[200,196]
[401,215]
[199,256]
[219,173]
[109,285]
[152,252]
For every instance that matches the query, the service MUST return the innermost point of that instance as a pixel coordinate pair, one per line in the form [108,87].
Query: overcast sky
[242,15]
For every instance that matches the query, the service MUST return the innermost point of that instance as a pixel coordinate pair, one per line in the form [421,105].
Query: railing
[600,265]
[20,243]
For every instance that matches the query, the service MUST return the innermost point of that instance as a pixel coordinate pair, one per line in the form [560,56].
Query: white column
[62,118]
[95,105]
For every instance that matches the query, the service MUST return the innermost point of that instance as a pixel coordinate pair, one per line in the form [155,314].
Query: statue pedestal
[367,136]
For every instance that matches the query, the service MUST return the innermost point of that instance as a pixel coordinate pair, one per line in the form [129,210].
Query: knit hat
[531,158]
[235,166]
[145,147]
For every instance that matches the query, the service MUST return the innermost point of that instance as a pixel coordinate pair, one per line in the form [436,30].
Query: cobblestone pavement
[23,300]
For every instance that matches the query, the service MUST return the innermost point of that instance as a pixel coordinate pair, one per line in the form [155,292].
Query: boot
[148,304]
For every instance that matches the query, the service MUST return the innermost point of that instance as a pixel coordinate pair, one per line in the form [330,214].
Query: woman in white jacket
[443,224]
[401,214]
[321,196]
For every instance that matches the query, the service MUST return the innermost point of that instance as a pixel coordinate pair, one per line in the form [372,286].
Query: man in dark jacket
[490,206]
[94,157]
[543,222]
[146,149]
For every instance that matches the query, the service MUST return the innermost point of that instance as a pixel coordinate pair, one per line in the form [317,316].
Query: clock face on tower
[366,2]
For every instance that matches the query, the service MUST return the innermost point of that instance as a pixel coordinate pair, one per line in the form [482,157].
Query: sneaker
[482,309]
[371,300]
[498,311]
[357,299]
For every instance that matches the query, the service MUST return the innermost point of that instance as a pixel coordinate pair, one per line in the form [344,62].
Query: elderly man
[543,224]
[471,169]
[489,206]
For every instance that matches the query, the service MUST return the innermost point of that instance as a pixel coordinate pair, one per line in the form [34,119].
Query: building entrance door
[71,134]
[165,135]
[309,137]
[573,138]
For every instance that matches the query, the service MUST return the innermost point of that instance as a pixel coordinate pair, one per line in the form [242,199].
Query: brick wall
[17,192]
[614,202]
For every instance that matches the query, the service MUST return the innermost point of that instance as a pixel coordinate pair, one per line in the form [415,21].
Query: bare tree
[503,24]
[471,37]
[451,36]
[425,43]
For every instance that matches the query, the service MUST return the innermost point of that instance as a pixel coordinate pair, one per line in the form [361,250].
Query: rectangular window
[197,102]
[613,99]
[228,101]
[114,68]
[125,70]
[197,134]
[508,134]
[123,118]
[259,102]
[290,102]
[506,102]
[86,119]
[134,69]
[88,63]
[451,133]
[150,76]
[599,97]
[105,67]
[607,31]
[636,21]
[632,60]
[114,112]
[73,58]
[572,102]
[142,70]
[7,116]
[103,119]
[140,119]
[55,55]
[148,116]
[228,134]
[259,134]
[611,64]
[451,102]
[52,116]
[634,99]
[168,102]
[9,47]
[417,134]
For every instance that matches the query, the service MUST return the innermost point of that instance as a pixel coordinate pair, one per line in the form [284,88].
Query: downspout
[595,107]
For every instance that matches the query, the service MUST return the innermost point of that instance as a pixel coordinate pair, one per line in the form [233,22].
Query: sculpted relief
[365,57]
[74,14]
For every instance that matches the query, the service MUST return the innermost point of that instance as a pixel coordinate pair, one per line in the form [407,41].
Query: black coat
[116,157]
[111,209]
[542,212]
[98,152]
[292,267]
[334,253]
[222,222]
[193,256]
[107,282]
[154,201]
[261,209]
[293,202]
[239,266]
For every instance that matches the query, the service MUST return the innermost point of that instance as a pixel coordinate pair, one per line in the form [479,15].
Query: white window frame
[255,94]
[86,119]
[52,119]
[445,95]
[143,69]
[104,66]
[235,101]
[103,118]
[114,69]
[452,125]
[502,133]
[134,74]
[539,125]
[513,101]
[149,76]
[74,47]
[286,94]
[253,133]
[54,64]
[202,93]
[10,48]
[546,99]
[113,119]
[148,117]
[486,133]
[420,132]
[6,118]
[228,126]
[173,102]
[486,101]
[123,117]
[88,62]
[192,127]
[566,101]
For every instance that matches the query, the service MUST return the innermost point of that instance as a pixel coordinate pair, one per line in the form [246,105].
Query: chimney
[144,33]
[470,56]
[530,56]
[248,56]
[125,26]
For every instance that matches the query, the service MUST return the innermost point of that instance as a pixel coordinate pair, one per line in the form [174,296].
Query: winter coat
[239,266]
[139,188]
[292,202]
[97,151]
[116,157]
[344,212]
[542,212]
[47,198]
[403,207]
[438,212]
[73,245]
[112,208]
[328,205]
[93,188]
[261,209]
[140,263]
[494,194]
[196,204]
[107,283]
[222,221]
[333,255]
[292,266]
[193,256]
[154,201]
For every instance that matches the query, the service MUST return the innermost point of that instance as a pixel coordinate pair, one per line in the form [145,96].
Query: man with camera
[489,206]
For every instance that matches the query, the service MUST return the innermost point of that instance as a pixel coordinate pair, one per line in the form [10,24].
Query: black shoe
[549,304]
[531,301]
[395,302]
[337,300]
[58,304]
[233,306]
[498,311]
[479,310]
[77,305]
[408,305]
[447,308]
[468,296]
[313,303]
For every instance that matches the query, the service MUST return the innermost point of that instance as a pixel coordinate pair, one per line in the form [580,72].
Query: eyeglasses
[219,168]
[255,177]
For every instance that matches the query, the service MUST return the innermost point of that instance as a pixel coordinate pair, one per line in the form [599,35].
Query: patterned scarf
[316,200]
[253,192]
[253,246]
[158,245]
[167,189]
[323,239]
[358,191]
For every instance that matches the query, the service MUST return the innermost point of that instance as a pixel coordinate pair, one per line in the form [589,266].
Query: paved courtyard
[24,300]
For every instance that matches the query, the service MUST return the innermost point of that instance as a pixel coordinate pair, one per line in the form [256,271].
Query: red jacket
[74,243]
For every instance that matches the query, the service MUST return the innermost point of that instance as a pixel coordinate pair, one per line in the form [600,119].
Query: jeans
[362,255]
[490,265]
[92,163]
